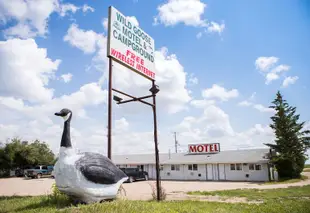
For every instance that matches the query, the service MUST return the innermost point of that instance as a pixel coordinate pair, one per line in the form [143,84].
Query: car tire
[130,180]
[39,176]
[146,177]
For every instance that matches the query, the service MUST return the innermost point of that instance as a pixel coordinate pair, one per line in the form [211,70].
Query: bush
[163,194]
[59,198]
[289,168]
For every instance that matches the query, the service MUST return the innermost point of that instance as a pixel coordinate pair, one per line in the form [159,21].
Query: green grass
[46,205]
[285,181]
[290,200]
[290,193]
[307,165]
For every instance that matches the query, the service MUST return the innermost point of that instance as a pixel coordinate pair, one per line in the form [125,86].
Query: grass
[290,193]
[45,204]
[307,165]
[285,181]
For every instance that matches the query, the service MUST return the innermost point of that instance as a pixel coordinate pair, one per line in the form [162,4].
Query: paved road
[138,190]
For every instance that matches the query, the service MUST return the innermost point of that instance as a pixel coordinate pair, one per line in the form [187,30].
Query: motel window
[258,167]
[238,166]
[175,167]
[193,167]
[251,166]
[255,167]
[232,167]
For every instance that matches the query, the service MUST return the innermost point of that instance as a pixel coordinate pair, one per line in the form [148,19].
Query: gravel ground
[140,190]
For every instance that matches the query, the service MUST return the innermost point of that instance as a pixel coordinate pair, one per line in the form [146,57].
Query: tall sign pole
[110,111]
[158,187]
[109,92]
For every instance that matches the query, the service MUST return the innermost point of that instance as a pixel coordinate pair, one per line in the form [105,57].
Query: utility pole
[175,142]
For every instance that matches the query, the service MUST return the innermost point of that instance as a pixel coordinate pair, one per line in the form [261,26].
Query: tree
[291,142]
[19,154]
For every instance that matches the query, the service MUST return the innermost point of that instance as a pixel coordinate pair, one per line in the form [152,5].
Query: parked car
[135,174]
[53,174]
[39,171]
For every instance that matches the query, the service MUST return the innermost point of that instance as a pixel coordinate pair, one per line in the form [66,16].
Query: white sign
[203,148]
[129,45]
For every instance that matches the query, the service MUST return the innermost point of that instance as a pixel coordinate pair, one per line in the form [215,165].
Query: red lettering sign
[192,149]
[216,148]
[204,148]
[133,61]
[200,148]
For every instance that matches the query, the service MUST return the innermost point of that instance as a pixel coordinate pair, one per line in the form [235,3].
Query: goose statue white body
[87,177]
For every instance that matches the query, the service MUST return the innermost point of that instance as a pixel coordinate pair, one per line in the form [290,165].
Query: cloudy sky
[219,65]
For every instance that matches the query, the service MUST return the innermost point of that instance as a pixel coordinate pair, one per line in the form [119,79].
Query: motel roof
[229,156]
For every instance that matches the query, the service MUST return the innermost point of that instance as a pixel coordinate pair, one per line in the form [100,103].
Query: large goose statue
[87,177]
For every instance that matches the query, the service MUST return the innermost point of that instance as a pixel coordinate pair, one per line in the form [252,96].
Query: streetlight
[154,90]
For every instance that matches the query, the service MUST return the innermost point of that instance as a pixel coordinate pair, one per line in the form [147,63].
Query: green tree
[18,154]
[291,142]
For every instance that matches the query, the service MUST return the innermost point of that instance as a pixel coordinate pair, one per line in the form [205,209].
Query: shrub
[162,191]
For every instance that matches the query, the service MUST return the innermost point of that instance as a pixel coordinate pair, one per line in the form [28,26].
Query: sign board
[203,148]
[129,45]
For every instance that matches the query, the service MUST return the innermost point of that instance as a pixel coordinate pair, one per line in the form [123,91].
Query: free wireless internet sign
[130,45]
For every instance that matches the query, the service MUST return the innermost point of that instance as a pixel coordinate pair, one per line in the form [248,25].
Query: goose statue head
[66,114]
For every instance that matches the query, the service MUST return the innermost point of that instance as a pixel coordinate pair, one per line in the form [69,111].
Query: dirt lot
[138,190]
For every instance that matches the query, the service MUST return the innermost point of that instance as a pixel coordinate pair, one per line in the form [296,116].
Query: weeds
[163,194]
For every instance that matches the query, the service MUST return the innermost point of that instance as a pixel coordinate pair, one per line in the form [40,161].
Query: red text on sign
[204,148]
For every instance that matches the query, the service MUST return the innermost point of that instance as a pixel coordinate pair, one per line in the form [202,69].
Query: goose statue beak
[58,114]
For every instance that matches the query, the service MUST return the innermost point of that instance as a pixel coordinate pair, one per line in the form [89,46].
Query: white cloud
[86,8]
[216,27]
[245,103]
[289,80]
[67,77]
[219,92]
[84,40]
[192,79]
[214,126]
[250,102]
[105,22]
[23,58]
[265,63]
[202,103]
[64,9]
[176,11]
[262,108]
[32,16]
[271,77]
[189,12]
[199,35]
[88,95]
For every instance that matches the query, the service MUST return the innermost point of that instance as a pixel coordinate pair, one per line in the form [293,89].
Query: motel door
[215,171]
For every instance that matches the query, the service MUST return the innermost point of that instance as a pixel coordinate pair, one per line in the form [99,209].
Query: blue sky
[216,55]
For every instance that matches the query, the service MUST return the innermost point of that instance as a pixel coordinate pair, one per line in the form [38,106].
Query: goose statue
[87,177]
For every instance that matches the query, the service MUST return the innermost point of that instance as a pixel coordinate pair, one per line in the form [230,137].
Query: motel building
[204,162]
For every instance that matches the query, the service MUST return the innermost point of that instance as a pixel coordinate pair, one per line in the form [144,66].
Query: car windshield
[37,167]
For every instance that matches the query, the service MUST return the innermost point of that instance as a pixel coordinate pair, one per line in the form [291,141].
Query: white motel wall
[232,165]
